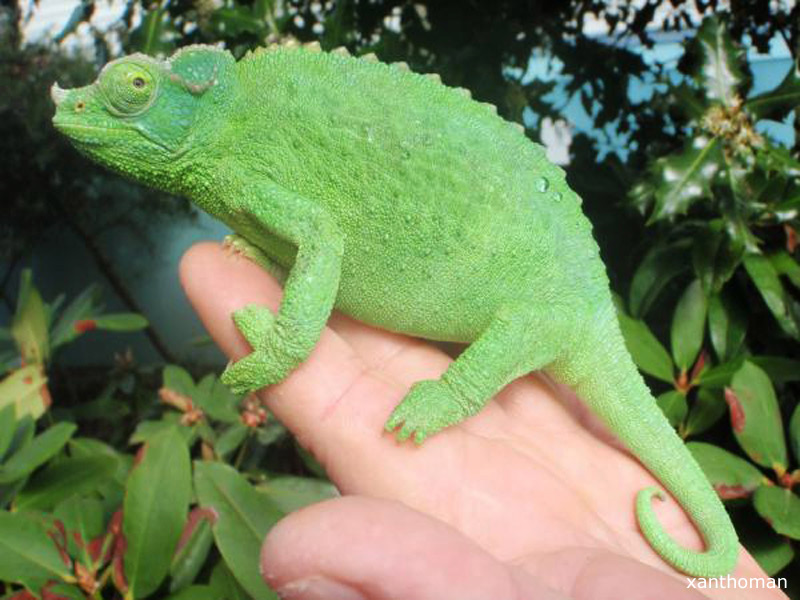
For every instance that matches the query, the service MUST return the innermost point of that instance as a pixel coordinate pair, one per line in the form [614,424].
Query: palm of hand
[533,480]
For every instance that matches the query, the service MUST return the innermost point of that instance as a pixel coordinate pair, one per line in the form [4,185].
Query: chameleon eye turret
[129,87]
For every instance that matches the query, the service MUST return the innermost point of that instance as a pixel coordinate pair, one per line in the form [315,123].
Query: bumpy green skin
[409,206]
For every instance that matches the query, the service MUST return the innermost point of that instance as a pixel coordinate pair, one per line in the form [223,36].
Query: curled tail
[608,381]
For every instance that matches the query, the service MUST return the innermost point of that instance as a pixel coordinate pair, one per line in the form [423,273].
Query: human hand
[528,499]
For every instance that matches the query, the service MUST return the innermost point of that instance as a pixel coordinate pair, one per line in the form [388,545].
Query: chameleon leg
[239,245]
[282,341]
[511,346]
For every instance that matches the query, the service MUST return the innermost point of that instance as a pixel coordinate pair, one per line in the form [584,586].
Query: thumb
[358,548]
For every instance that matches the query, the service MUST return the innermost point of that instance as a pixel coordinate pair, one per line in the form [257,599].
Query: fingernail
[318,588]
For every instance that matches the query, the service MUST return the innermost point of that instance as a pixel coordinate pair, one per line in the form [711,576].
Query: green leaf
[780,159]
[721,375]
[113,490]
[270,433]
[735,199]
[178,380]
[231,439]
[756,417]
[786,266]
[155,33]
[64,591]
[715,256]
[731,476]
[26,389]
[794,432]
[685,99]
[83,520]
[22,437]
[684,178]
[26,428]
[718,62]
[707,408]
[769,285]
[27,555]
[29,326]
[121,322]
[647,352]
[727,326]
[673,405]
[659,266]
[779,368]
[154,512]
[775,104]
[41,449]
[780,508]
[192,551]
[64,478]
[88,447]
[216,400]
[236,21]
[688,325]
[225,585]
[81,308]
[244,518]
[195,592]
[8,425]
[771,551]
[146,430]
[290,493]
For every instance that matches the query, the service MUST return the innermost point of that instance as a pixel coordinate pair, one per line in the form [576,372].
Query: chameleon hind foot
[429,406]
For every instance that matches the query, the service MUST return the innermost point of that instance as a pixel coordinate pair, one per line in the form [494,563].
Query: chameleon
[402,202]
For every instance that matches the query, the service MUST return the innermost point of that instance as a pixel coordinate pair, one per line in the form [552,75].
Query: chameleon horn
[57,94]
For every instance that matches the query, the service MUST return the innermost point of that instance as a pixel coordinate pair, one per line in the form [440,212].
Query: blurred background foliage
[693,196]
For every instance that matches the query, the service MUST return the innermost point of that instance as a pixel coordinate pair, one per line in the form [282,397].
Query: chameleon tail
[612,387]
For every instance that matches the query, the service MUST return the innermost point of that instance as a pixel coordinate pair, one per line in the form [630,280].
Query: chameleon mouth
[85,134]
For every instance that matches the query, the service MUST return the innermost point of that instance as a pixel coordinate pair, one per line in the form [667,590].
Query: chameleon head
[140,115]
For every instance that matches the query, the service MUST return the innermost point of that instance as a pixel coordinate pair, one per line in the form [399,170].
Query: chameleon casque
[402,202]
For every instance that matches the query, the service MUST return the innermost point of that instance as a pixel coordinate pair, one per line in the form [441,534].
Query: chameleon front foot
[267,364]
[429,407]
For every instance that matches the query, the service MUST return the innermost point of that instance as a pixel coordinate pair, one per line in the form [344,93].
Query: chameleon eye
[130,88]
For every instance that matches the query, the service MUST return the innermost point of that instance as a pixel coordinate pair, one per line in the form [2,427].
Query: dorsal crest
[197,67]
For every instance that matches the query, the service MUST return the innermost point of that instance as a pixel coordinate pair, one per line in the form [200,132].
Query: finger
[359,548]
[403,359]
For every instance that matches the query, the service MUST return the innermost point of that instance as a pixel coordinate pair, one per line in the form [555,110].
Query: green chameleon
[402,202]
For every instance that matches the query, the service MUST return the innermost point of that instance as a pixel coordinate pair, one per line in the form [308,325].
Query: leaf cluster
[723,207]
[89,521]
